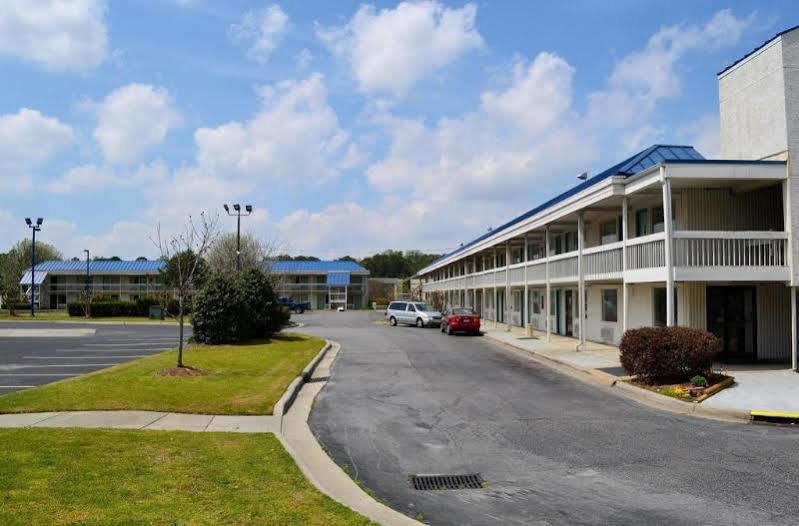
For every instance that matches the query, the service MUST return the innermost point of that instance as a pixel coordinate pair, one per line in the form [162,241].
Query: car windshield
[424,307]
[463,312]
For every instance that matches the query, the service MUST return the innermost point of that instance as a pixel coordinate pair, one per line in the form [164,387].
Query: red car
[460,320]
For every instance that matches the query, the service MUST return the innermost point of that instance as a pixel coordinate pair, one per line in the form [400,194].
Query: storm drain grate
[438,482]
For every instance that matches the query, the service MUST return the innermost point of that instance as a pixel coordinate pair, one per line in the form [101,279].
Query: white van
[412,313]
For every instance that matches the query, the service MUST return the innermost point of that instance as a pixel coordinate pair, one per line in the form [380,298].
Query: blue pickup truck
[297,307]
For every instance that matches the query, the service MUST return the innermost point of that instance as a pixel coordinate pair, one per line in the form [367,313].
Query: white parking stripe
[38,374]
[85,357]
[14,366]
[15,386]
[154,350]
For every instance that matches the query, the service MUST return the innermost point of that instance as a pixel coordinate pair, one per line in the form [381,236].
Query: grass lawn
[243,380]
[91,476]
[62,315]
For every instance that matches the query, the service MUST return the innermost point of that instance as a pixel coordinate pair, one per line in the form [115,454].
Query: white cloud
[56,34]
[643,78]
[91,177]
[703,134]
[262,30]
[132,119]
[28,139]
[391,49]
[295,136]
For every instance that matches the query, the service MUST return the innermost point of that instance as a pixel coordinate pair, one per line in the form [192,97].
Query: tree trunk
[180,322]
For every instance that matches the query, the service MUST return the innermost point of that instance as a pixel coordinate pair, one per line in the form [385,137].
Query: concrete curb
[290,394]
[319,468]
[636,394]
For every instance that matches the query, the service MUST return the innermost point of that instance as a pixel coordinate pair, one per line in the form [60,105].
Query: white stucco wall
[752,106]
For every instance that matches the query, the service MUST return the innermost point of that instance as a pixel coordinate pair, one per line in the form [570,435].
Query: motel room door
[731,315]
[569,301]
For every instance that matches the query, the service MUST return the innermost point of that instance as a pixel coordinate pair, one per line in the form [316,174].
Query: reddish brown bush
[660,354]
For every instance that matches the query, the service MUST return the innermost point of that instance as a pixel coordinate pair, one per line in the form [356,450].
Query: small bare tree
[183,252]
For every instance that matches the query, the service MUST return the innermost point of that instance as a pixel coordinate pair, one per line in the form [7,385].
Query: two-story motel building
[323,284]
[56,283]
[665,237]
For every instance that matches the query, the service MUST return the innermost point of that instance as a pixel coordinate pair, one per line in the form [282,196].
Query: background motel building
[57,283]
[323,284]
[665,237]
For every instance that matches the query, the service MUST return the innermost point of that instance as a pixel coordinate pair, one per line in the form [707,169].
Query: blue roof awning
[338,279]
[38,278]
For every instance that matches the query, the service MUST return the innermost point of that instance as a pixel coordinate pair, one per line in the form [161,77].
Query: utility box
[156,312]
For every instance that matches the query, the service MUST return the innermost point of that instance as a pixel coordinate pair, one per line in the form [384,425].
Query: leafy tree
[347,258]
[15,262]
[102,258]
[397,264]
[141,258]
[236,307]
[222,254]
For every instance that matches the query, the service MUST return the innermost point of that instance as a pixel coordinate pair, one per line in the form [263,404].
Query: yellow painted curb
[775,414]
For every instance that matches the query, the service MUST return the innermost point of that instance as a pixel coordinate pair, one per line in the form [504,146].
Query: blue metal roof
[758,48]
[338,279]
[320,267]
[38,278]
[642,160]
[101,267]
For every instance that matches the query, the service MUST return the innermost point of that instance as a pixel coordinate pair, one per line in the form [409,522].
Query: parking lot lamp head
[237,207]
[226,208]
[28,221]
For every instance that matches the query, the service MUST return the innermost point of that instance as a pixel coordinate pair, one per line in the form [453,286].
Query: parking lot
[38,353]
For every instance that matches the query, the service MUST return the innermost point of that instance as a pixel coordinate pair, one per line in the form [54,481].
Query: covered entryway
[732,316]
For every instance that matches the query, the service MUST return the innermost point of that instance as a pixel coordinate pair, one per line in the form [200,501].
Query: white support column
[474,283]
[508,302]
[581,277]
[667,245]
[464,283]
[494,268]
[794,343]
[625,302]
[526,307]
[547,306]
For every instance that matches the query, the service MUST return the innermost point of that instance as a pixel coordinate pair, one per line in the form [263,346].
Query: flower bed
[687,391]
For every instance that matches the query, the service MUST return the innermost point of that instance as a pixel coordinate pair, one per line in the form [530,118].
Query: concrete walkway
[757,387]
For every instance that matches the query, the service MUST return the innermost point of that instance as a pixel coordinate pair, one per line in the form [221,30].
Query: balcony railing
[105,287]
[730,249]
[692,250]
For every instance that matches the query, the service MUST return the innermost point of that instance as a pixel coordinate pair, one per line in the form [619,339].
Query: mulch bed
[686,391]
[182,371]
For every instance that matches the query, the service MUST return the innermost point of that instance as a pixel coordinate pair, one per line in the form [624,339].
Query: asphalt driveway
[553,450]
[34,353]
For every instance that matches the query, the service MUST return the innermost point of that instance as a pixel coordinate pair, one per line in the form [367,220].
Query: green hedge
[105,309]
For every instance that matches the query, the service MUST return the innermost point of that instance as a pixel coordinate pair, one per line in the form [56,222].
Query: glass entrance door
[731,315]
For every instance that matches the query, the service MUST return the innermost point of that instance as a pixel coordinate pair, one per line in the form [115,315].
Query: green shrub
[173,309]
[104,309]
[143,305]
[658,354]
[235,308]
[699,381]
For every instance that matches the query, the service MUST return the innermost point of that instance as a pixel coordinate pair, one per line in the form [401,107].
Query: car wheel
[419,323]
[392,321]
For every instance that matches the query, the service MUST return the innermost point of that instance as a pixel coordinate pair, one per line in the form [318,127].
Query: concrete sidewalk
[757,387]
[144,420]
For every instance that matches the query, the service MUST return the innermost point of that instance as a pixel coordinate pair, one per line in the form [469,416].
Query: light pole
[36,228]
[238,214]
[88,278]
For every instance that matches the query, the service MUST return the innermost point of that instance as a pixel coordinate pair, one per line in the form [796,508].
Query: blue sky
[351,128]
